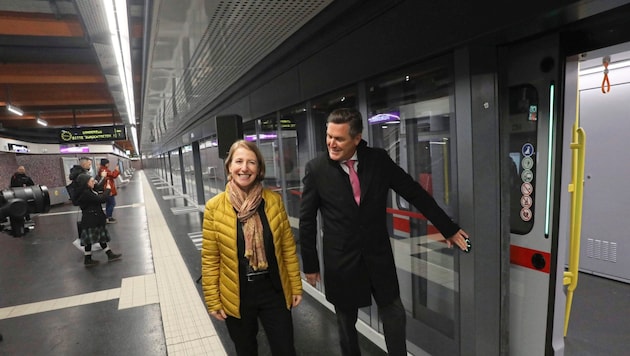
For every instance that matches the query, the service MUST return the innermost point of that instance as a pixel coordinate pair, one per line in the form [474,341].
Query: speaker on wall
[229,129]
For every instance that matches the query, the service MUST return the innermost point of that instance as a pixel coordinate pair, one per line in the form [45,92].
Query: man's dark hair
[350,116]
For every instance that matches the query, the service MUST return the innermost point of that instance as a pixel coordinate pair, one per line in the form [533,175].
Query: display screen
[17,148]
[92,134]
[74,149]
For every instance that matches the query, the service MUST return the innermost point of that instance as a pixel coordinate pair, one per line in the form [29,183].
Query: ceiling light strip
[15,110]
[116,12]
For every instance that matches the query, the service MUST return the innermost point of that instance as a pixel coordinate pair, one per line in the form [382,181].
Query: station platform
[147,303]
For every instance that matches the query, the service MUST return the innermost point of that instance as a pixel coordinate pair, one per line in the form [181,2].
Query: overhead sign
[18,148]
[92,134]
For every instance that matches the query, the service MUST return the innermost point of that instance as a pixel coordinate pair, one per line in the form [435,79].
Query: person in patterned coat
[93,219]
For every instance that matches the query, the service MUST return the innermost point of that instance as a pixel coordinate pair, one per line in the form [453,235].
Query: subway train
[513,120]
[488,108]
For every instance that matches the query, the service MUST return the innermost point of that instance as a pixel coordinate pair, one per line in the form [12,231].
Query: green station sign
[92,134]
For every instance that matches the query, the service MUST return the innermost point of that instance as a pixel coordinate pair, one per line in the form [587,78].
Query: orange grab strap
[606,81]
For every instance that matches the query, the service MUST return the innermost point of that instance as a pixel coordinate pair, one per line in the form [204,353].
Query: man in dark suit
[358,258]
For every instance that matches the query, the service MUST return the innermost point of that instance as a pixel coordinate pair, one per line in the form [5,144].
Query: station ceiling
[51,70]
[57,61]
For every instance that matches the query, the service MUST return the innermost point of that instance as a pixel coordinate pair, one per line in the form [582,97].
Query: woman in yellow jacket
[249,264]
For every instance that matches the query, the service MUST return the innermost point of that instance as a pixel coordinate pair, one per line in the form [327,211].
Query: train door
[412,117]
[529,136]
[599,245]
[417,136]
[604,110]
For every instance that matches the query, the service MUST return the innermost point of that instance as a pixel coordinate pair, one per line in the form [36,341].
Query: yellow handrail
[576,188]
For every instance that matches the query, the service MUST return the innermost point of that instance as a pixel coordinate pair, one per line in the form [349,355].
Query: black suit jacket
[358,258]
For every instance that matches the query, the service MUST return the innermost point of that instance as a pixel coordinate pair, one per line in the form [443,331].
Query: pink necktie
[354,181]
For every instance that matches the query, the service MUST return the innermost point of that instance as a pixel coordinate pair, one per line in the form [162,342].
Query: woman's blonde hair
[249,146]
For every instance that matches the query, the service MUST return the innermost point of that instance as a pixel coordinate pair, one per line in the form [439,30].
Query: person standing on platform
[84,167]
[20,179]
[249,264]
[349,186]
[109,177]
[93,220]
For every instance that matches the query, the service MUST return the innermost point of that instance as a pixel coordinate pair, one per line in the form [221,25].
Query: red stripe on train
[533,259]
[401,224]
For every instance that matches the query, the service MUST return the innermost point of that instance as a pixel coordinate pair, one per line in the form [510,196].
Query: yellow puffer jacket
[219,263]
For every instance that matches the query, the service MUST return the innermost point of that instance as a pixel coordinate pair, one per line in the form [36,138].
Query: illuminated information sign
[92,134]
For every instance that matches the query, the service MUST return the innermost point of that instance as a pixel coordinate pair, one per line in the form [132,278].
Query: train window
[411,116]
[322,106]
[249,129]
[212,169]
[523,124]
[277,139]
[175,170]
[266,139]
[189,173]
[291,155]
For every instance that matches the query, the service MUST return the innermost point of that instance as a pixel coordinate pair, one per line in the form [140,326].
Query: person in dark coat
[84,166]
[93,219]
[357,252]
[20,179]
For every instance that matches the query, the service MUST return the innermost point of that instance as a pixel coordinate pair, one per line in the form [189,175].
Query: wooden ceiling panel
[59,95]
[57,73]
[50,70]
[30,24]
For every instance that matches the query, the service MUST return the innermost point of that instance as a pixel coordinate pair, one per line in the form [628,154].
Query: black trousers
[394,328]
[260,300]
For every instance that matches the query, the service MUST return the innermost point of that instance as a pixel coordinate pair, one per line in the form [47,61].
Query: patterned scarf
[246,206]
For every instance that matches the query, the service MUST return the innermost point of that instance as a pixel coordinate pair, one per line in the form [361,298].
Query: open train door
[531,149]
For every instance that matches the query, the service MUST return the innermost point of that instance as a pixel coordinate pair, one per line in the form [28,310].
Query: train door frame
[602,223]
[529,85]
[483,302]
[575,99]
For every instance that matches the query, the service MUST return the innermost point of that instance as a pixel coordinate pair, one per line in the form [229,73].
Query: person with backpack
[84,167]
[93,219]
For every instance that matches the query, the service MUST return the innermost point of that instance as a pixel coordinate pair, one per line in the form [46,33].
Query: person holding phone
[109,176]
[93,219]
